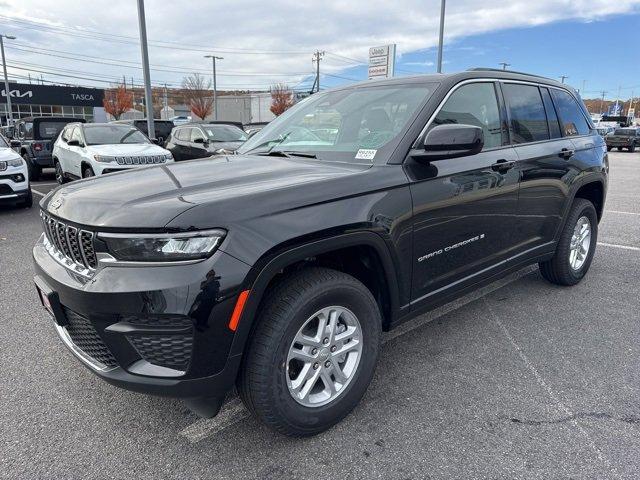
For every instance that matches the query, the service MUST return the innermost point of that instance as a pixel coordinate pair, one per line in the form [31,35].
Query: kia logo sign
[17,94]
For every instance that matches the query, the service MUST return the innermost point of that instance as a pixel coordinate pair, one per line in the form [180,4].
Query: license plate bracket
[51,302]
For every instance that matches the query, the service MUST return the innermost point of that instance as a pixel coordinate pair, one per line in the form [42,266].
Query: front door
[464,208]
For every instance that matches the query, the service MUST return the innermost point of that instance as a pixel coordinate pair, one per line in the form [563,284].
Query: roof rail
[487,69]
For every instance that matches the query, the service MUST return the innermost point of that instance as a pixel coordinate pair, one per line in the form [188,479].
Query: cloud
[232,29]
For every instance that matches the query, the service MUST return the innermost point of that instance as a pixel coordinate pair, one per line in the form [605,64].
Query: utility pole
[316,58]
[584,83]
[215,88]
[166,102]
[148,100]
[563,78]
[441,36]
[7,92]
[603,93]
[504,65]
[618,98]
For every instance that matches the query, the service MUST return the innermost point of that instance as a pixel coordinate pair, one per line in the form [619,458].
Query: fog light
[18,178]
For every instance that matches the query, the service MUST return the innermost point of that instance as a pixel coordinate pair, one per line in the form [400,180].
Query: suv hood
[126,149]
[8,154]
[231,187]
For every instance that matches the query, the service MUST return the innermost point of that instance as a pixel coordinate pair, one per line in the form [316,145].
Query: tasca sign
[382,61]
[26,93]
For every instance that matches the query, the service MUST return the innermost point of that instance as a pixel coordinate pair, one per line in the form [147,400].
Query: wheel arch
[369,245]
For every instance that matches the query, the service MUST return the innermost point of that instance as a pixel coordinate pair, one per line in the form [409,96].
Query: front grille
[141,160]
[170,351]
[75,245]
[85,337]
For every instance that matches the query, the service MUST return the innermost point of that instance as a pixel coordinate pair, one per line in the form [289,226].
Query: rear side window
[183,134]
[552,117]
[474,104]
[570,113]
[528,119]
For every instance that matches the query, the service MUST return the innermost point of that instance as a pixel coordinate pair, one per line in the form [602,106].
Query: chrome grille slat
[72,246]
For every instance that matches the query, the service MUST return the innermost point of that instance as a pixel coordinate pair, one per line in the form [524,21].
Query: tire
[34,170]
[28,202]
[264,383]
[60,178]
[632,148]
[609,149]
[619,149]
[87,172]
[559,269]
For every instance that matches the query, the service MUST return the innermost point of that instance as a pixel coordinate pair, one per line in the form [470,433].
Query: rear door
[544,163]
[464,208]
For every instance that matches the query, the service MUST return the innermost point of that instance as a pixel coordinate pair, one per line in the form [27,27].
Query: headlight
[162,247]
[15,162]
[168,156]
[104,159]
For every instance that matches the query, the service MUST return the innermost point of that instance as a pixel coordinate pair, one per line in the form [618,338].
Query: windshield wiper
[286,153]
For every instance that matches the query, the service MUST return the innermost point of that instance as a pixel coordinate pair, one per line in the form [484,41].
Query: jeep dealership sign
[382,61]
[25,93]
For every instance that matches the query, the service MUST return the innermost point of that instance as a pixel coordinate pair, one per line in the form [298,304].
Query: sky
[592,42]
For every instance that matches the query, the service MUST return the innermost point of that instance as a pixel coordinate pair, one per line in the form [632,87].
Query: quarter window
[474,104]
[528,119]
[571,116]
[552,117]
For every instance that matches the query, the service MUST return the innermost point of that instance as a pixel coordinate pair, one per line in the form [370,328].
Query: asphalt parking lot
[521,379]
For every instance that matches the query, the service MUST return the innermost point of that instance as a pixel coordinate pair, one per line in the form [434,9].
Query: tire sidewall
[582,209]
[320,418]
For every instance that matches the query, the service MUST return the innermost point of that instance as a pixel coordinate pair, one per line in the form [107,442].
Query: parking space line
[38,184]
[624,247]
[542,383]
[233,411]
[38,192]
[621,212]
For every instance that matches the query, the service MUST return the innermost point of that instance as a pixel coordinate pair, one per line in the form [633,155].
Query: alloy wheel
[580,243]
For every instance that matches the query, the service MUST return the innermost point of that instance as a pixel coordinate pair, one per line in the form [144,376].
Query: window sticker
[365,154]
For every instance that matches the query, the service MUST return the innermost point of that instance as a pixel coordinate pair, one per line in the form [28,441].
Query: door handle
[502,165]
[566,153]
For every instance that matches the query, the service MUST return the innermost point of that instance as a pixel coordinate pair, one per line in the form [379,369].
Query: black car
[620,138]
[37,136]
[162,128]
[277,269]
[200,140]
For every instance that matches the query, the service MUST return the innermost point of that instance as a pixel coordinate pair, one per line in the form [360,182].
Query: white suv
[88,149]
[14,177]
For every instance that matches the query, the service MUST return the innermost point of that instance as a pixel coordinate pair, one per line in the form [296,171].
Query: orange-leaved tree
[117,100]
[281,98]
[197,93]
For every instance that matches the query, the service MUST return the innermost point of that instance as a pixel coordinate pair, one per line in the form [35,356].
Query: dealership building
[29,100]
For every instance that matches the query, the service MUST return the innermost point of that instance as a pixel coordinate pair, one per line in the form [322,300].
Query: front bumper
[161,330]
[14,184]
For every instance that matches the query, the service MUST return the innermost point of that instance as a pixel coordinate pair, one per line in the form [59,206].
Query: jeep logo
[17,94]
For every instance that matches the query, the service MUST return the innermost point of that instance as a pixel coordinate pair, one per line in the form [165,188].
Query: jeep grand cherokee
[277,269]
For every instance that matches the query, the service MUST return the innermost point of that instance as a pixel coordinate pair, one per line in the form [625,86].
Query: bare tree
[281,98]
[198,94]
[117,100]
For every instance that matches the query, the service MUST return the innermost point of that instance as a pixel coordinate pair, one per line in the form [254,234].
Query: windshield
[344,125]
[113,134]
[625,131]
[3,142]
[224,133]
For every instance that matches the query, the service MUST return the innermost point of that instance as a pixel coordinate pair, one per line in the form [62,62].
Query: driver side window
[474,104]
[196,134]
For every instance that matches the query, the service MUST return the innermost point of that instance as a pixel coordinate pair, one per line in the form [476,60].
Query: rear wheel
[619,149]
[313,352]
[576,246]
[609,148]
[87,172]
[632,148]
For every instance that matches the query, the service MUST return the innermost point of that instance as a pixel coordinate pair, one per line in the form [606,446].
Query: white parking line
[38,192]
[234,411]
[44,184]
[621,212]
[624,247]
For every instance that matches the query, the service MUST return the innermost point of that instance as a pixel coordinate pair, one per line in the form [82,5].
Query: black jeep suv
[277,269]
[37,136]
[620,138]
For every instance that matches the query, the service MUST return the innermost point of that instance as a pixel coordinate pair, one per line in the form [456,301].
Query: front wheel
[60,178]
[313,352]
[34,170]
[576,246]
[87,172]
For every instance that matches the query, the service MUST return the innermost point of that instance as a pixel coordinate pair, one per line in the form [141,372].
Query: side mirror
[451,141]
[74,143]
[16,143]
[199,140]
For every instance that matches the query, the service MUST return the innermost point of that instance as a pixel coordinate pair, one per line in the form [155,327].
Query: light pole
[215,89]
[6,80]
[563,78]
[441,38]
[504,65]
[148,100]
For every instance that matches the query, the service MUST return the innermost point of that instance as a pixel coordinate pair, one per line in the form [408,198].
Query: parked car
[277,269]
[604,130]
[162,128]
[204,140]
[14,176]
[180,119]
[86,150]
[628,138]
[36,136]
